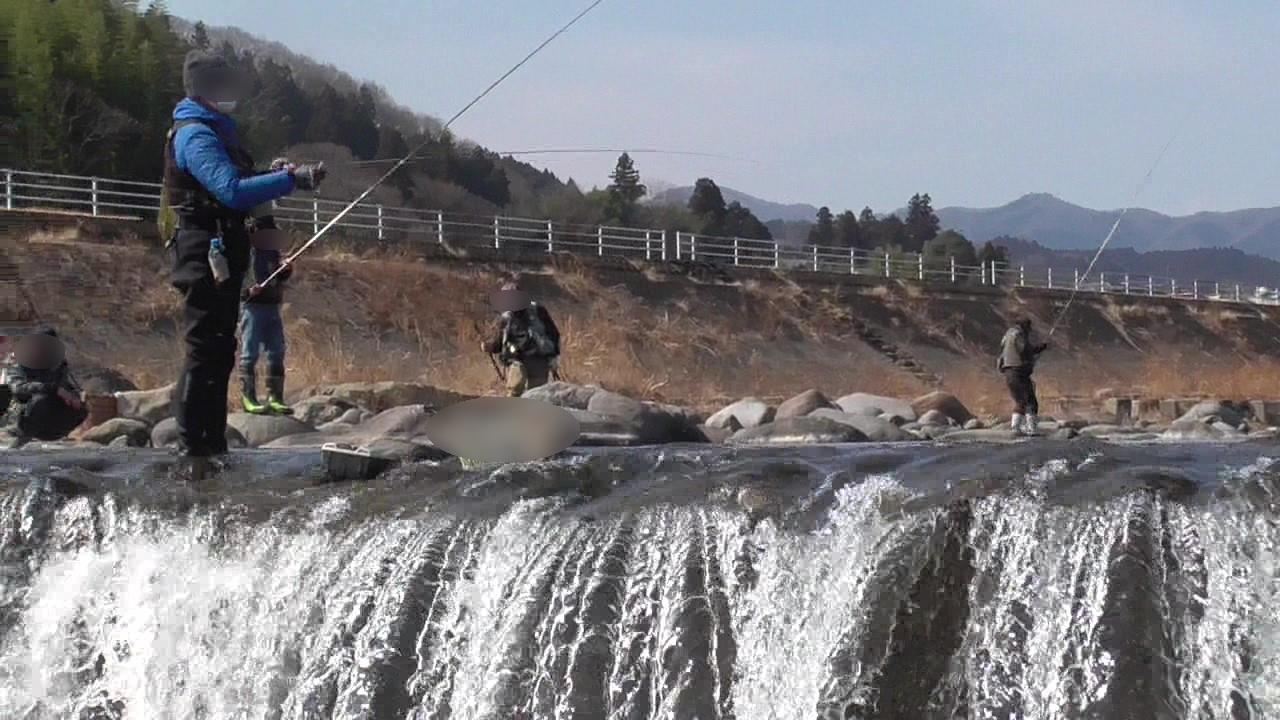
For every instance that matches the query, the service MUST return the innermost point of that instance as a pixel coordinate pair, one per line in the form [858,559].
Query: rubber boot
[1033,424]
[275,396]
[249,393]
[1015,423]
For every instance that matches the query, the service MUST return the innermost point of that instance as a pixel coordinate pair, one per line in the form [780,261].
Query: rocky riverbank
[391,420]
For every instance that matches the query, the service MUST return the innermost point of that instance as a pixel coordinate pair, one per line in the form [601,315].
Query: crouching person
[525,339]
[261,326]
[47,397]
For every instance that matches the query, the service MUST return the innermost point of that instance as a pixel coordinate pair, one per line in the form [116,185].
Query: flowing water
[1036,580]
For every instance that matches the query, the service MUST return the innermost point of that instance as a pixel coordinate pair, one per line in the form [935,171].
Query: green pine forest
[94,83]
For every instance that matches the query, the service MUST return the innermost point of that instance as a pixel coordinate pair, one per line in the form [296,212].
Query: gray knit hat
[208,75]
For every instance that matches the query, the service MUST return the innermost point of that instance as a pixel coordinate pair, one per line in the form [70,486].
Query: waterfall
[1007,604]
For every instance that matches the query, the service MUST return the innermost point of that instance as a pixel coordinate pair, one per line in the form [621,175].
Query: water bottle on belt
[218,261]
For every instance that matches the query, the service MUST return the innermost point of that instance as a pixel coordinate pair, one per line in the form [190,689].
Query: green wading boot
[275,396]
[249,393]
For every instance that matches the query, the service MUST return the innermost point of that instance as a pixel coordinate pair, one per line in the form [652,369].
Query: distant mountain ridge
[1060,225]
[764,209]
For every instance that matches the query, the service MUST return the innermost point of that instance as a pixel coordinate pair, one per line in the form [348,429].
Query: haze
[840,103]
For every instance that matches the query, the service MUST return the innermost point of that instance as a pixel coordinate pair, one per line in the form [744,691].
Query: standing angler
[211,188]
[262,328]
[525,339]
[1017,360]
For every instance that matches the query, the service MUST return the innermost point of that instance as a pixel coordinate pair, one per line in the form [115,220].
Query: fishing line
[405,160]
[1115,226]
[567,151]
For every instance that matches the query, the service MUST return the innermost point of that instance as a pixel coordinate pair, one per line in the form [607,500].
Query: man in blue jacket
[211,185]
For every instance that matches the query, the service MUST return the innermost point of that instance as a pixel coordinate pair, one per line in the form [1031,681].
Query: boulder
[563,394]
[975,424]
[934,418]
[718,436]
[1200,430]
[165,434]
[149,406]
[320,409]
[258,430]
[135,432]
[353,416]
[803,404]
[404,423]
[599,431]
[381,396]
[749,412]
[944,403]
[1066,433]
[874,428]
[96,380]
[799,431]
[654,424]
[122,443]
[876,405]
[1227,412]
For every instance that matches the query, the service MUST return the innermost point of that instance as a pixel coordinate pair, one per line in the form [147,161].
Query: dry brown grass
[357,313]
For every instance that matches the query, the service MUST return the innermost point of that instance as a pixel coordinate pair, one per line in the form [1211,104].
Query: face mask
[226,106]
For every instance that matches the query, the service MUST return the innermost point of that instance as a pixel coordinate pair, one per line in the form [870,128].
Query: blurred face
[39,352]
[227,90]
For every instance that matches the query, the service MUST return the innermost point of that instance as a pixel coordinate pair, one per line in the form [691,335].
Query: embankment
[693,335]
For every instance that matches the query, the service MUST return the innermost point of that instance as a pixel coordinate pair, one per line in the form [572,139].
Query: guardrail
[102,197]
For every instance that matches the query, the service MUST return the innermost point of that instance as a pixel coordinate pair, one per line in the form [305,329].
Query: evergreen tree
[824,232]
[361,133]
[200,36]
[707,201]
[625,191]
[742,223]
[922,223]
[949,244]
[848,233]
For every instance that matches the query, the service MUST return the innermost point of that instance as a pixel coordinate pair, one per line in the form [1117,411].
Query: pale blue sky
[841,103]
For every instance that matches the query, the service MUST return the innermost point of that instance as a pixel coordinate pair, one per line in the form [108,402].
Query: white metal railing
[25,190]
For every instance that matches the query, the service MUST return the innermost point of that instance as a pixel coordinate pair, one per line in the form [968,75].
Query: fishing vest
[184,202]
[1015,350]
[525,335]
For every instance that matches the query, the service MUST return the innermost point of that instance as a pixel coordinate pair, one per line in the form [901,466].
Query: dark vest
[195,206]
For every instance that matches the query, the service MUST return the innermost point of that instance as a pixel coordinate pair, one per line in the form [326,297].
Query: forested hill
[95,82]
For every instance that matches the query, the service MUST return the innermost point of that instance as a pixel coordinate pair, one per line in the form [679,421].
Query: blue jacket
[201,150]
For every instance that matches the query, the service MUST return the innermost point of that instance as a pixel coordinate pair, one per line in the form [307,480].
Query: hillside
[667,332]
[1217,263]
[764,209]
[1060,225]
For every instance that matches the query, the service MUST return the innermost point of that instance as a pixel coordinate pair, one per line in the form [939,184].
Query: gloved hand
[281,163]
[309,176]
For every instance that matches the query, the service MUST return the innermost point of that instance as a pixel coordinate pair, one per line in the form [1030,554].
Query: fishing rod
[567,151]
[405,160]
[1146,180]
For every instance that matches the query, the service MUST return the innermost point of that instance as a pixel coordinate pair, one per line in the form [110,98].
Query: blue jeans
[262,329]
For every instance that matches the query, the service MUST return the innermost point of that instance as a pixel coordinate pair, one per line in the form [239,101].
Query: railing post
[1217,293]
[315,216]
[381,234]
[953,269]
[983,267]
[815,258]
[1102,282]
[1126,283]
[93,185]
[551,235]
[1237,293]
[888,271]
[440,226]
[1050,278]
[853,261]
[1195,289]
[8,189]
[1076,284]
[1173,287]
[1022,275]
[735,252]
[664,245]
[1151,286]
[497,232]
[777,257]
[600,240]
[679,242]
[920,267]
[648,247]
